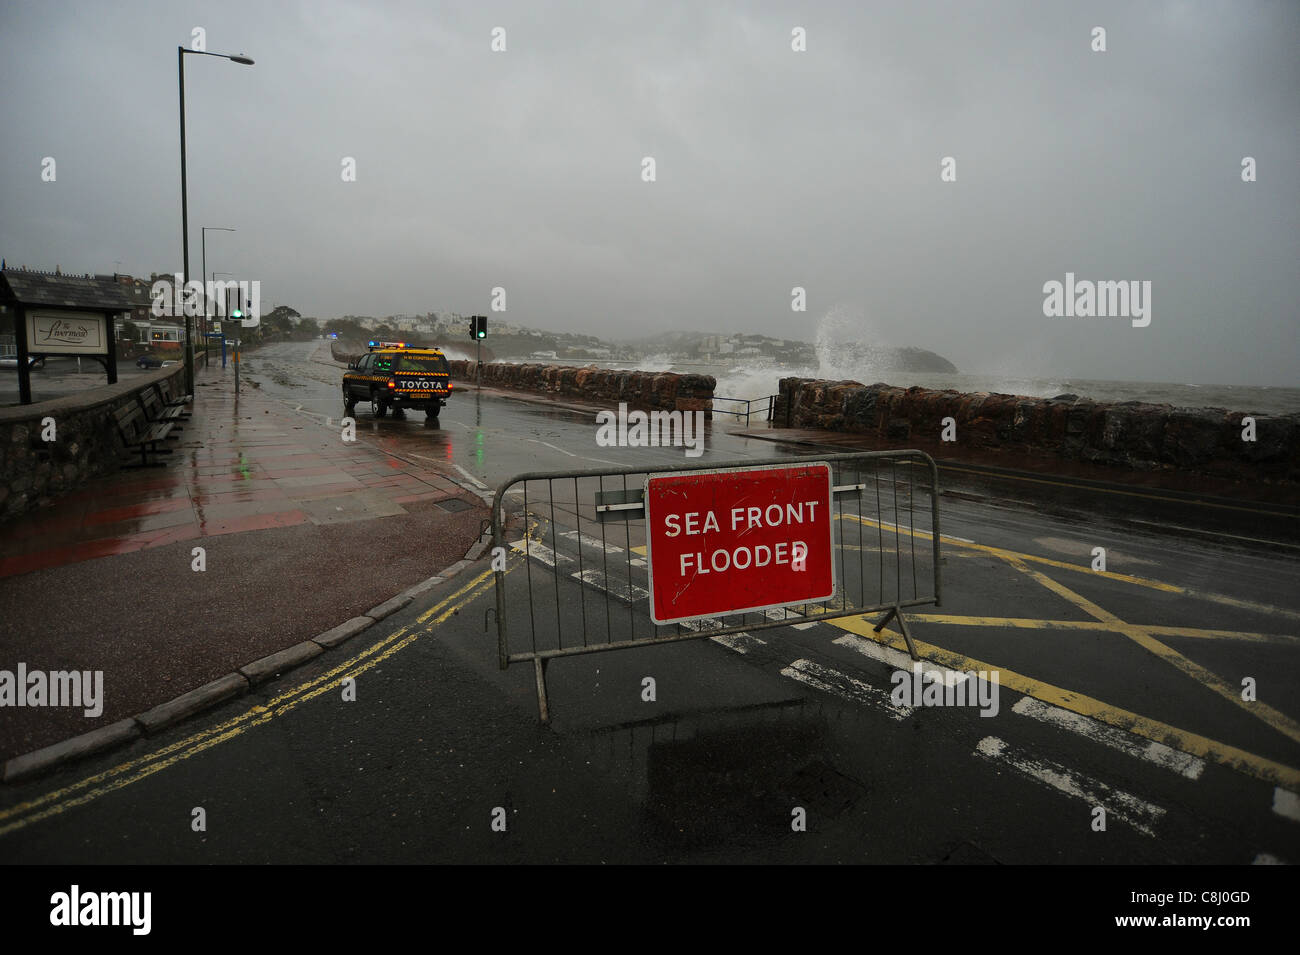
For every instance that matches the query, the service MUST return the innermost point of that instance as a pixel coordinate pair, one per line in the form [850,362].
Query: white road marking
[740,642]
[838,684]
[1163,756]
[898,660]
[593,542]
[779,614]
[1286,804]
[1139,814]
[613,587]
[540,552]
[585,457]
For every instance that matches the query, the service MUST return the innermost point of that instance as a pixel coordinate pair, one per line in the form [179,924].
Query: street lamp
[203,232]
[185,210]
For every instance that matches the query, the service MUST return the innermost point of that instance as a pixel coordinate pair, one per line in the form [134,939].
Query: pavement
[299,530]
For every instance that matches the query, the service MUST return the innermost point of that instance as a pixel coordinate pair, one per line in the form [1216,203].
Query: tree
[348,329]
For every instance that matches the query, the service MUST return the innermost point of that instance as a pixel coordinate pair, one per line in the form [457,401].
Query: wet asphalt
[744,736]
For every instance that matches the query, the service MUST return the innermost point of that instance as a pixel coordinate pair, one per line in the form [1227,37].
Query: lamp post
[185,210]
[203,233]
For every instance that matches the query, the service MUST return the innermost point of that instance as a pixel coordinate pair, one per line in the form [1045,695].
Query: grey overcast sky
[775,168]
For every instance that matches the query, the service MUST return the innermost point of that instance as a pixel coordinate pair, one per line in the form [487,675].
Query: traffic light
[478,326]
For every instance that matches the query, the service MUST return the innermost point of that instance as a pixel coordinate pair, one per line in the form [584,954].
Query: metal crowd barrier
[583,584]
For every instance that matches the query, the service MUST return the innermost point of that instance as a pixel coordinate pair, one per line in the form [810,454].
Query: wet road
[488,438]
[1121,689]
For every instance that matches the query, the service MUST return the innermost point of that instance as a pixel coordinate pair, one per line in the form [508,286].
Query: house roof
[82,293]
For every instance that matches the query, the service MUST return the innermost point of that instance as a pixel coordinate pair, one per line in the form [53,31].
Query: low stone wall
[645,390]
[86,443]
[1131,435]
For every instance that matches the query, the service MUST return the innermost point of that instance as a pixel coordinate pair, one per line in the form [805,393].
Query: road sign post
[726,542]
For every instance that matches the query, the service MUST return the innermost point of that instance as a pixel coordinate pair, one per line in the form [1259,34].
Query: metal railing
[766,406]
[583,586]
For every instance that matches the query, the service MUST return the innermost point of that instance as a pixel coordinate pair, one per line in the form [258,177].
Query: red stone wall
[1131,435]
[647,390]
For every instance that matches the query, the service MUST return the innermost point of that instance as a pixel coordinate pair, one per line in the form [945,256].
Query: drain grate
[454,504]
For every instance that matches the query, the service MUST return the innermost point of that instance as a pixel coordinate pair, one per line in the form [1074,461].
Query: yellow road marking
[141,768]
[1033,623]
[1085,568]
[1143,636]
[1274,718]
[1005,554]
[1259,767]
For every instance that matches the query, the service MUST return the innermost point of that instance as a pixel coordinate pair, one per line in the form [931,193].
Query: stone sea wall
[34,471]
[1131,435]
[645,390]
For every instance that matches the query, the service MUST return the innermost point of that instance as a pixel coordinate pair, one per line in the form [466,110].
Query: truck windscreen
[413,363]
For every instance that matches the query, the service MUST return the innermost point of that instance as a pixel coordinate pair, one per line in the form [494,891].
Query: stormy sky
[774,168]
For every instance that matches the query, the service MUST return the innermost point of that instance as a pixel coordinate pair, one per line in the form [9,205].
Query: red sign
[723,542]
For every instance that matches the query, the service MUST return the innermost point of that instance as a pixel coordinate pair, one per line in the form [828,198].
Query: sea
[752,380]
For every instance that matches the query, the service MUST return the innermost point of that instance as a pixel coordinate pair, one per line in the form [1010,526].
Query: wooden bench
[170,400]
[157,412]
[137,431]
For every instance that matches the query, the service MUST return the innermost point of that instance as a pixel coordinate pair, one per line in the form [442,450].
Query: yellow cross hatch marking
[1144,636]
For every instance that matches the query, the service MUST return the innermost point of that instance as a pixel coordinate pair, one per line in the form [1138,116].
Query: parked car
[148,361]
[33,361]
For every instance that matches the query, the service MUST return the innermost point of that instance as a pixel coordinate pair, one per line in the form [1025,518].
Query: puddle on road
[728,778]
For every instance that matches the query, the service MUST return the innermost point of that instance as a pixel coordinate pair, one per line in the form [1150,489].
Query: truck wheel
[380,408]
